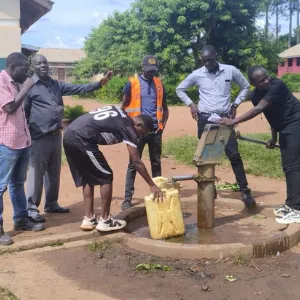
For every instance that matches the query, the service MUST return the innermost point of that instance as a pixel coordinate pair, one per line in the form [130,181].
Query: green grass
[5,294]
[99,246]
[257,159]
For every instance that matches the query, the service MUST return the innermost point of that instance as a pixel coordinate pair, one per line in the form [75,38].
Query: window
[298,61]
[282,64]
[290,62]
[50,71]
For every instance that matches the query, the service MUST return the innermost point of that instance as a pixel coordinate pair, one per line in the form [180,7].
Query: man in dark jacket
[44,111]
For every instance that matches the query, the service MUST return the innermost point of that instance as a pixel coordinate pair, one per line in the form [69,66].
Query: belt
[207,115]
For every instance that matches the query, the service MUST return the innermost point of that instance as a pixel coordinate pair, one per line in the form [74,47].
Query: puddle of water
[230,227]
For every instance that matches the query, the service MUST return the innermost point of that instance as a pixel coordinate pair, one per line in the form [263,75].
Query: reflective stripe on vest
[134,107]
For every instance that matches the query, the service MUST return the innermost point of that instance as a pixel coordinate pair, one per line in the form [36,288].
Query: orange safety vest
[134,107]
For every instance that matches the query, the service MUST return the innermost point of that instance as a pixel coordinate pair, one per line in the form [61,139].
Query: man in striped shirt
[15,142]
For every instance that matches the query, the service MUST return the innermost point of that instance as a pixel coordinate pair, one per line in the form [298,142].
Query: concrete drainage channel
[263,237]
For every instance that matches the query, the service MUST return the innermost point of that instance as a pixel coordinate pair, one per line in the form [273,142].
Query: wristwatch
[235,105]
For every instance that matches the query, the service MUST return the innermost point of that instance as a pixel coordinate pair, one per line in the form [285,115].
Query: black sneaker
[248,199]
[126,204]
[26,223]
[5,239]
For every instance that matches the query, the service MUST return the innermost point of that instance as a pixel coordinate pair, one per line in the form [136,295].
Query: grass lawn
[5,294]
[257,159]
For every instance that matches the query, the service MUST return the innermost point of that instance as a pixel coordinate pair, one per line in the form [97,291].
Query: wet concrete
[231,226]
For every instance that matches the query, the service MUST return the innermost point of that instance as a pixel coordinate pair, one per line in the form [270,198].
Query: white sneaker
[110,224]
[289,218]
[281,211]
[89,224]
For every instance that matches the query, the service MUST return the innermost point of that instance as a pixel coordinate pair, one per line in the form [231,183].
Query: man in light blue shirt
[214,83]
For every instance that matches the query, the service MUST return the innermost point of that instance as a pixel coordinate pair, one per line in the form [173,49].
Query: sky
[70,22]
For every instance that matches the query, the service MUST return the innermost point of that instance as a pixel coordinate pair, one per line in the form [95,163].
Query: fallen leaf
[230,278]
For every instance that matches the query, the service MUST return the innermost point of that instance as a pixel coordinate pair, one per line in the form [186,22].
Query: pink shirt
[14,132]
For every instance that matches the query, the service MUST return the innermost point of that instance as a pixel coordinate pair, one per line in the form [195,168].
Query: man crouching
[104,126]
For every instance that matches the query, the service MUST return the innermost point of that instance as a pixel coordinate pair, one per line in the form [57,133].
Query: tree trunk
[277,17]
[290,25]
[298,29]
[267,22]
[197,60]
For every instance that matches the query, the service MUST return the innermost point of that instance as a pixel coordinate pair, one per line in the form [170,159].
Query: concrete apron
[279,242]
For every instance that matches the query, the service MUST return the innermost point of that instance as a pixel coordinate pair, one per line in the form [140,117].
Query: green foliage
[110,93]
[113,91]
[174,31]
[257,159]
[292,81]
[171,82]
[72,113]
[5,294]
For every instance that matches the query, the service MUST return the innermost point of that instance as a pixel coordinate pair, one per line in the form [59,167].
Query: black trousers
[290,158]
[154,142]
[231,151]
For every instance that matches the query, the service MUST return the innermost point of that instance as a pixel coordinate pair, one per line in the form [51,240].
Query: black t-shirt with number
[104,126]
[284,112]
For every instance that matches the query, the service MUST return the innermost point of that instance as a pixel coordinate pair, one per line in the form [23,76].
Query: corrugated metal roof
[291,52]
[59,55]
[33,10]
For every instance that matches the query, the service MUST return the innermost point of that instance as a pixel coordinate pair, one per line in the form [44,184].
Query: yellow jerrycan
[165,218]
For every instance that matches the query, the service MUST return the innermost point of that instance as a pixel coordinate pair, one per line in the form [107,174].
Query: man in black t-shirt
[104,126]
[282,110]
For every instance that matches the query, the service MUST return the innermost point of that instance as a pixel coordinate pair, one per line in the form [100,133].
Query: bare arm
[125,101]
[12,106]
[250,114]
[140,167]
[166,113]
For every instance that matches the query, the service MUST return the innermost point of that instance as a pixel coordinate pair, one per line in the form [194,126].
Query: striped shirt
[14,132]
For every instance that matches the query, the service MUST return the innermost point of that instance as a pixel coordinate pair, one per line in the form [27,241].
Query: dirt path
[109,273]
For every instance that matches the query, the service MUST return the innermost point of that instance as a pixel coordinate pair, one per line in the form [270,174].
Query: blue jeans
[13,171]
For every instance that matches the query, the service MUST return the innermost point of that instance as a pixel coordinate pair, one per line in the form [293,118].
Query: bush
[87,95]
[292,81]
[72,113]
[113,91]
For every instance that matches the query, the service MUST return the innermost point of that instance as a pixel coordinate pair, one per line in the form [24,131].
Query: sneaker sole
[282,221]
[106,229]
[87,228]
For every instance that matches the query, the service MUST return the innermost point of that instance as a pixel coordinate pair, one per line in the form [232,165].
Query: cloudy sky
[70,21]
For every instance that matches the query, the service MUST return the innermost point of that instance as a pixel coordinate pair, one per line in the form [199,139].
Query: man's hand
[106,78]
[28,84]
[233,111]
[157,193]
[271,144]
[194,111]
[226,121]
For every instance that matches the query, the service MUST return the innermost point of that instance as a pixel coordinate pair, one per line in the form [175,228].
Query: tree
[116,44]
[279,8]
[175,29]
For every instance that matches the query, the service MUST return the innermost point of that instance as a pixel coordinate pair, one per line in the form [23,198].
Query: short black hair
[15,58]
[209,48]
[147,121]
[254,69]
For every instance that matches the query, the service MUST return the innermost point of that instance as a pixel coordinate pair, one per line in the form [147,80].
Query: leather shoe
[57,210]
